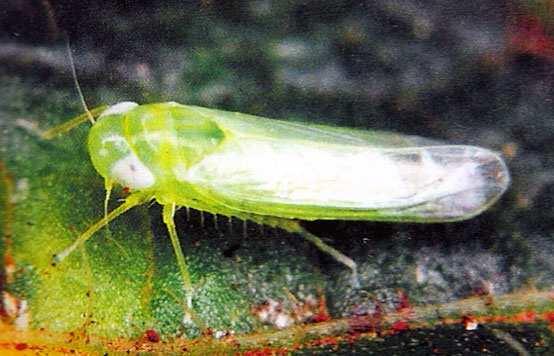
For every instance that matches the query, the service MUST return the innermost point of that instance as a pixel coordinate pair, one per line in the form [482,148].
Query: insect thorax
[151,146]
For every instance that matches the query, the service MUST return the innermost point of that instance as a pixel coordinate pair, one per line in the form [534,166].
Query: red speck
[126,190]
[266,351]
[325,341]
[351,338]
[469,322]
[322,312]
[400,325]
[21,346]
[403,301]
[527,35]
[549,317]
[152,335]
[528,316]
[321,317]
[403,307]
[8,260]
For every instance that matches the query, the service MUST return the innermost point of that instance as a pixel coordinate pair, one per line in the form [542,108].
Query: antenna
[74,74]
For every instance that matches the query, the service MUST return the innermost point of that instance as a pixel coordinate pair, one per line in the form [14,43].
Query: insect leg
[108,185]
[201,219]
[131,201]
[168,214]
[331,251]
[216,225]
[71,124]
[294,227]
[230,224]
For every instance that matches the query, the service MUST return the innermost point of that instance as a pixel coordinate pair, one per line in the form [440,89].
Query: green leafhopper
[277,172]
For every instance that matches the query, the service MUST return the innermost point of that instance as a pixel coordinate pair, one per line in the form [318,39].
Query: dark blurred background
[474,72]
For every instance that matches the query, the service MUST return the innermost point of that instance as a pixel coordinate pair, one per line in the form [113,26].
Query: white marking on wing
[303,174]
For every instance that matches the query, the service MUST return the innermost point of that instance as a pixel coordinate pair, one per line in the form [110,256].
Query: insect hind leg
[294,227]
[168,218]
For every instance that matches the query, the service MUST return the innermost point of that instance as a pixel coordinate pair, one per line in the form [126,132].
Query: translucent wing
[243,125]
[316,172]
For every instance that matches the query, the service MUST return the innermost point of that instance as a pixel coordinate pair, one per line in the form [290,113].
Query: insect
[278,172]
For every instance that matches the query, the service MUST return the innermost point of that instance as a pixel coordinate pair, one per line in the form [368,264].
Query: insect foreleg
[71,124]
[168,214]
[131,201]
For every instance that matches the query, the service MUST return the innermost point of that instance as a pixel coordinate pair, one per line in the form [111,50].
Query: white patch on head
[119,108]
[132,173]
